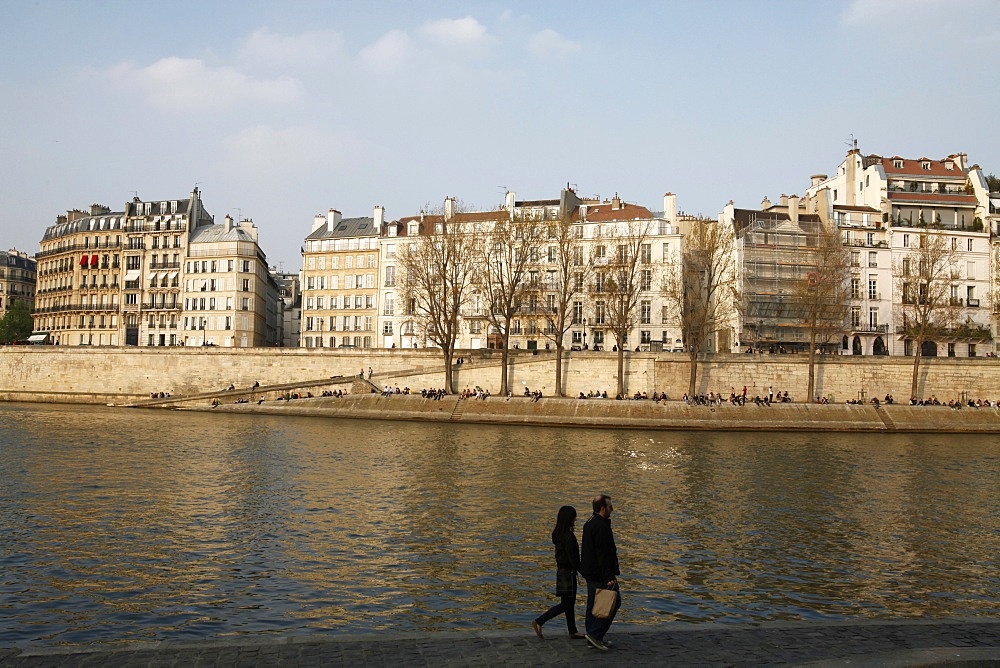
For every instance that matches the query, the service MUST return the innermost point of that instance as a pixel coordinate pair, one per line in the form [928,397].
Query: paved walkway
[974,642]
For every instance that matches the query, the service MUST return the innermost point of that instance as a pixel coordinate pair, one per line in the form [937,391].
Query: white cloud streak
[188,84]
[550,44]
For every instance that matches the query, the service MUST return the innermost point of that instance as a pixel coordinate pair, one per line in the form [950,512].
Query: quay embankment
[867,643]
[630,414]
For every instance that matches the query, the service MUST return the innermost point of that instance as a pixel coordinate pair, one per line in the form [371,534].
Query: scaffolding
[778,256]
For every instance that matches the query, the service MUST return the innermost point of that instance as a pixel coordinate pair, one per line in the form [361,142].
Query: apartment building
[18,275]
[125,278]
[340,263]
[599,225]
[891,203]
[230,296]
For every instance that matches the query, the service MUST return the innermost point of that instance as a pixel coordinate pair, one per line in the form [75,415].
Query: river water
[124,525]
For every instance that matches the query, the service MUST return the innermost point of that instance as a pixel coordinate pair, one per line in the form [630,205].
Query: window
[970,245]
[577,313]
[644,313]
[872,288]
[246,265]
[646,254]
[872,259]
[873,319]
[855,288]
[389,305]
[855,317]
[645,279]
[390,276]
[855,258]
[906,241]
[599,312]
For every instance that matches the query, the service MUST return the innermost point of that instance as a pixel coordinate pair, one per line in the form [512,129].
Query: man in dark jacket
[599,565]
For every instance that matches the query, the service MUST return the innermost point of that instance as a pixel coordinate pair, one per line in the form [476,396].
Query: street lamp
[584,333]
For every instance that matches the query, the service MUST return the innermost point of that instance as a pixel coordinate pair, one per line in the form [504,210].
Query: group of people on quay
[389,391]
[597,563]
[738,398]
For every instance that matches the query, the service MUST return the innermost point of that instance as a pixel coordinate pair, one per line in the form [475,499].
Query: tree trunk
[916,370]
[812,367]
[504,356]
[621,371]
[559,357]
[449,371]
[693,377]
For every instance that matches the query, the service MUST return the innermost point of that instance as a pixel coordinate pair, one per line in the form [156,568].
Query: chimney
[332,218]
[509,201]
[449,208]
[379,216]
[793,208]
[229,223]
[765,203]
[615,203]
[817,179]
[670,208]
[784,200]
[318,221]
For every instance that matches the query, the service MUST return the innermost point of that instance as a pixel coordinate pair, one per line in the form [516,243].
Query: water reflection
[127,525]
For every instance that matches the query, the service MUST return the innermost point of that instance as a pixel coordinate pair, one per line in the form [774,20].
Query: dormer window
[949,165]
[898,164]
[926,165]
[412,229]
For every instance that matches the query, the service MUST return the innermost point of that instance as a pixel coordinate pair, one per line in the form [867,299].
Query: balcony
[972,303]
[153,306]
[871,329]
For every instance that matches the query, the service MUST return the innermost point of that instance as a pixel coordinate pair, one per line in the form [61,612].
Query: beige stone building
[340,268]
[17,279]
[125,277]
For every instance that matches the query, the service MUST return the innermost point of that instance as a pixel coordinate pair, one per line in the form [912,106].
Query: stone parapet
[115,375]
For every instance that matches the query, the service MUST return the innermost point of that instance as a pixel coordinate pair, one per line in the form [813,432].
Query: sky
[278,111]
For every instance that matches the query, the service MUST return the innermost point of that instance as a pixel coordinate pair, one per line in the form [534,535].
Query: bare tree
[619,278]
[704,288]
[567,270]
[437,267]
[507,249]
[924,277]
[822,296]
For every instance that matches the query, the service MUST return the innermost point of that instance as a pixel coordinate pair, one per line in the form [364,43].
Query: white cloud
[548,44]
[187,84]
[313,47]
[457,32]
[388,52]
[264,152]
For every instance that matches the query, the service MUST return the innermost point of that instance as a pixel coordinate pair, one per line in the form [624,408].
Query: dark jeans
[596,628]
[565,605]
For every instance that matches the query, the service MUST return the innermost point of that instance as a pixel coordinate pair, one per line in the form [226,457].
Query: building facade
[340,263]
[18,276]
[136,277]
[884,207]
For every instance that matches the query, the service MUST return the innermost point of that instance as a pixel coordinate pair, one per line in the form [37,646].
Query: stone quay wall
[119,375]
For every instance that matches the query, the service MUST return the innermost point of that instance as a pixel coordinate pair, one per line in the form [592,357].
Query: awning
[132,275]
[83,261]
[172,275]
[37,338]
[93,260]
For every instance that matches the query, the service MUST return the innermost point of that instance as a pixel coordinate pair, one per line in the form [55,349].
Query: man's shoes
[577,636]
[538,629]
[596,644]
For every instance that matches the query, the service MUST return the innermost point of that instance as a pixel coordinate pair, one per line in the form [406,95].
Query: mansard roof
[910,167]
[346,228]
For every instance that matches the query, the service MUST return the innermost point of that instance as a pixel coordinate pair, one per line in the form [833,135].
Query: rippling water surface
[126,525]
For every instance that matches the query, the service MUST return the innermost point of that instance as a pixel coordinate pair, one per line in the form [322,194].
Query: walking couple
[598,564]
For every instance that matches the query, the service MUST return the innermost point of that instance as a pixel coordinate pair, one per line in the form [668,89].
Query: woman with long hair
[567,566]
